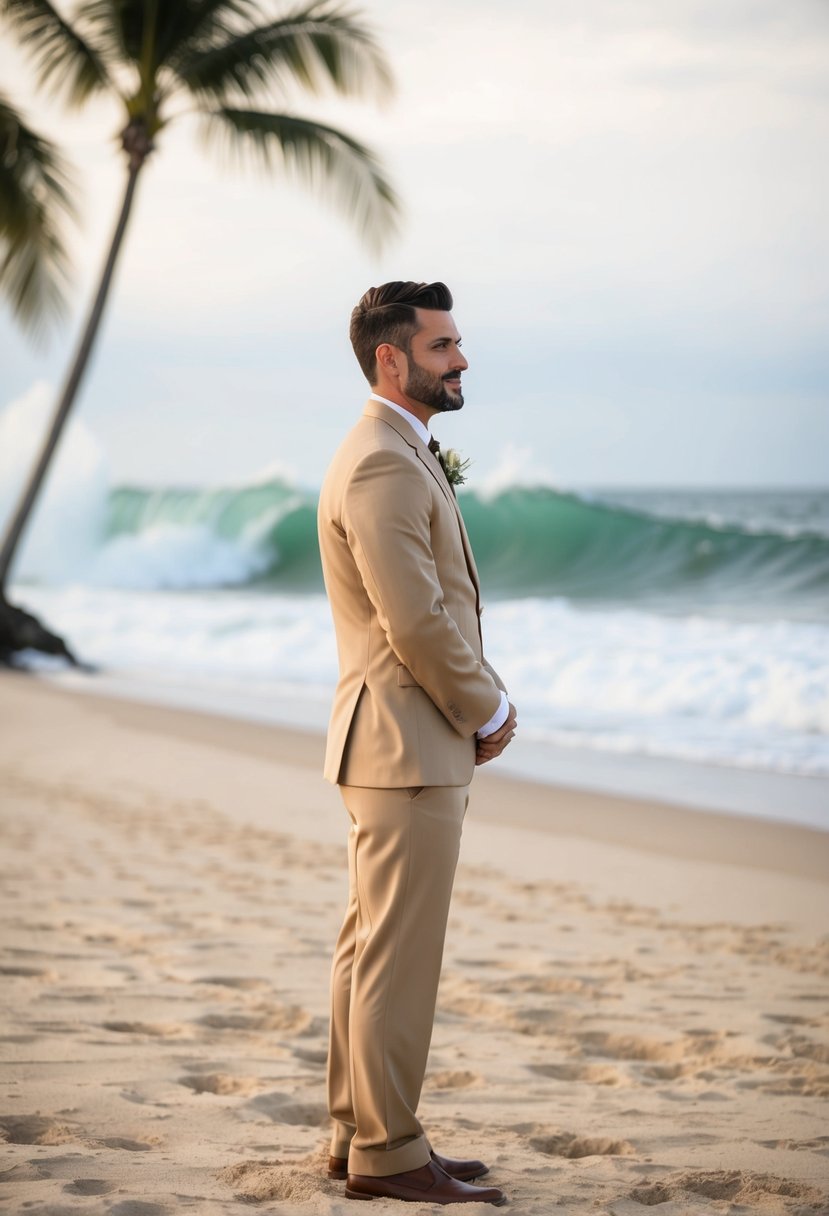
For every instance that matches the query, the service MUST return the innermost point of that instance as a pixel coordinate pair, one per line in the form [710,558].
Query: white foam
[752,695]
[275,470]
[517,468]
[65,538]
[173,556]
[67,523]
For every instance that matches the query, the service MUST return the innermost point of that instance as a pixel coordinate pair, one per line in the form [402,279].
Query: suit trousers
[403,849]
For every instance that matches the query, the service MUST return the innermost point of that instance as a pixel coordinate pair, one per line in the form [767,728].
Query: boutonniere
[455,466]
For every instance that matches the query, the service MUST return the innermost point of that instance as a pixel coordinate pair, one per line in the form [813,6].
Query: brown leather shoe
[428,1184]
[464,1171]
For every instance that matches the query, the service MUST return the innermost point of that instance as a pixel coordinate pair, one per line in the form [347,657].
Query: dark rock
[19,630]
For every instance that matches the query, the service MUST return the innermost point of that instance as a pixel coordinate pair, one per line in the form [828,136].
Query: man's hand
[494,744]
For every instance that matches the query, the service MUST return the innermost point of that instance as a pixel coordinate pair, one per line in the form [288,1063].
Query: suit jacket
[414,686]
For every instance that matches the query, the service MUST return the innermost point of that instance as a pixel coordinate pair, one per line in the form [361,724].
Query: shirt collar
[417,426]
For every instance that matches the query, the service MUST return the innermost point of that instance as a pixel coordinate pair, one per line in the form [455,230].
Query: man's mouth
[452,378]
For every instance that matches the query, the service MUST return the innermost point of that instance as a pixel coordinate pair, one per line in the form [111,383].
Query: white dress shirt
[500,716]
[419,428]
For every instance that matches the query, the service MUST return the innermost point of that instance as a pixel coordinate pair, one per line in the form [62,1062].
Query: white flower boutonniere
[455,466]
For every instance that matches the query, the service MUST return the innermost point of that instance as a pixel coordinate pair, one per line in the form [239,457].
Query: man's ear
[388,358]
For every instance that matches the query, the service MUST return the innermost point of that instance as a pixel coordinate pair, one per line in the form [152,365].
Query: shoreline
[640,824]
[632,1008]
[757,795]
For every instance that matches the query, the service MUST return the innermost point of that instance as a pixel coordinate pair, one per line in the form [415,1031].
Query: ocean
[640,627]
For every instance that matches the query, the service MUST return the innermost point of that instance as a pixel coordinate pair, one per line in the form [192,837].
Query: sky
[627,198]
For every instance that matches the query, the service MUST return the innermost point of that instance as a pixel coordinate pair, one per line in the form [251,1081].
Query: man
[416,708]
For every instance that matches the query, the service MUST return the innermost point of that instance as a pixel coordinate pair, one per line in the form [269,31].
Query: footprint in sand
[632,1047]
[453,1079]
[543,1021]
[33,1129]
[158,1030]
[137,1207]
[128,1145]
[311,1056]
[550,985]
[694,1054]
[24,1171]
[222,1084]
[805,1048]
[735,1187]
[244,983]
[28,973]
[820,1144]
[284,1108]
[808,1085]
[473,1007]
[594,1074]
[792,1019]
[567,1144]
[257,1181]
[289,1019]
[89,1186]
[485,961]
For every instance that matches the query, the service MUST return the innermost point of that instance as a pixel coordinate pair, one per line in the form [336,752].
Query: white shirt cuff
[497,720]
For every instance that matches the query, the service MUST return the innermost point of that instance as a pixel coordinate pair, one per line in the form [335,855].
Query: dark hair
[387,314]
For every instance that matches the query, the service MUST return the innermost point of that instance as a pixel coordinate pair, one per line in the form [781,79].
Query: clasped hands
[494,744]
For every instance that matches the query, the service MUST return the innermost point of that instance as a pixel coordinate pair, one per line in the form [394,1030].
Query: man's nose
[461,361]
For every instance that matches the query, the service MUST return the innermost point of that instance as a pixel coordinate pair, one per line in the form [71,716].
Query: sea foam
[752,694]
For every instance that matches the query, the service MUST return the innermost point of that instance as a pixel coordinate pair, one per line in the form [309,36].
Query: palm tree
[214,56]
[34,202]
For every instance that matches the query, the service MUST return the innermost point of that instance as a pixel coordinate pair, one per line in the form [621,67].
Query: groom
[417,706]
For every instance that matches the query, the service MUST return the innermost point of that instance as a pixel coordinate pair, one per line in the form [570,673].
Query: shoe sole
[349,1194]
[341,1175]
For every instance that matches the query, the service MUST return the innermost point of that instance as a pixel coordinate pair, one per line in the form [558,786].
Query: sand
[633,1013]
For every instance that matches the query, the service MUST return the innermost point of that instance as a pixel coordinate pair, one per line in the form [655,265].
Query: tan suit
[414,688]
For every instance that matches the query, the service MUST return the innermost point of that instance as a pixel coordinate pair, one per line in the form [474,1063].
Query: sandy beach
[633,1012]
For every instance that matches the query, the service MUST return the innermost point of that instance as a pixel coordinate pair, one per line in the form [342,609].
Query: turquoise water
[678,625]
[758,551]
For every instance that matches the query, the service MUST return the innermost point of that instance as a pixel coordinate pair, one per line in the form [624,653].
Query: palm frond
[199,24]
[174,28]
[177,28]
[34,202]
[115,25]
[63,58]
[317,45]
[325,158]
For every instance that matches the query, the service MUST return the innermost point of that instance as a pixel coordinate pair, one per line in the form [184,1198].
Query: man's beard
[430,390]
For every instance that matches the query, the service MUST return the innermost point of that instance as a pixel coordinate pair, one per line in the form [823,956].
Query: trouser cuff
[379,1163]
[341,1137]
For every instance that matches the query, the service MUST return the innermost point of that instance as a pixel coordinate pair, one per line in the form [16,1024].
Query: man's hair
[387,314]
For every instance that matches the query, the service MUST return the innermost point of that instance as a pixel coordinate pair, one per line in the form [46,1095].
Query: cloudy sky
[628,199]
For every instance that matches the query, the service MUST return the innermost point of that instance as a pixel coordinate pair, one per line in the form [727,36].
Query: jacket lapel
[376,409]
[467,548]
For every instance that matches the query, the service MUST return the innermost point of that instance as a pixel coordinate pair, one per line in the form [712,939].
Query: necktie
[434,448]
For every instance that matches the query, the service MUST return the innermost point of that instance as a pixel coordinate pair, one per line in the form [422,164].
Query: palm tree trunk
[17,526]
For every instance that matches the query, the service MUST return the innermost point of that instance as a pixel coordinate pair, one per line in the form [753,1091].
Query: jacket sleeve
[495,676]
[386,515]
